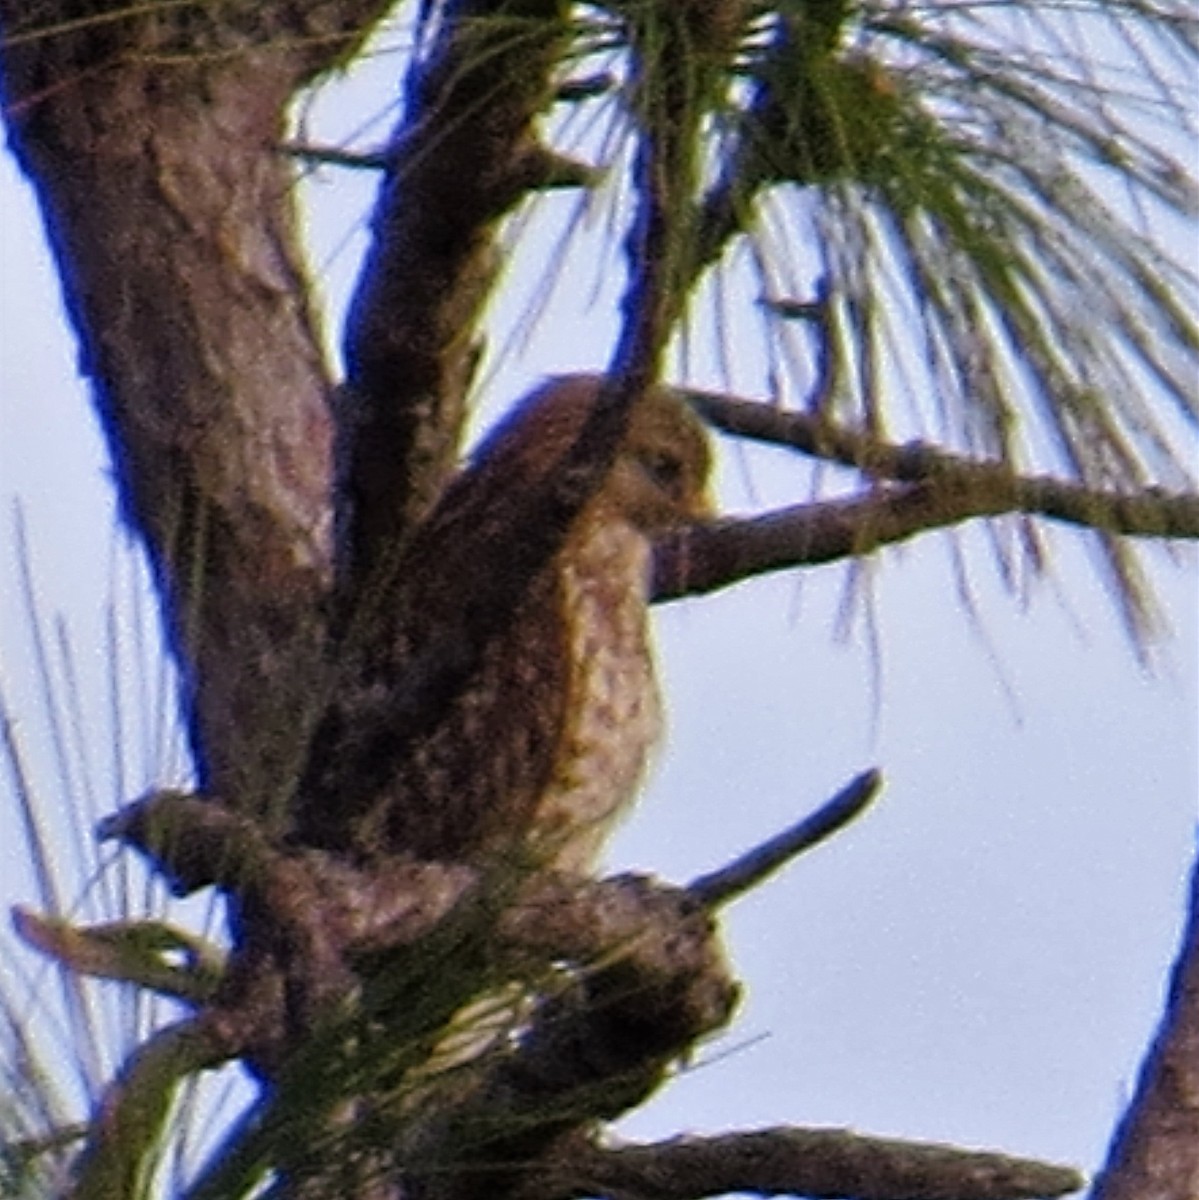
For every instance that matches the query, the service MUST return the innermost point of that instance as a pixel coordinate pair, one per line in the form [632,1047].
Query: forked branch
[915,488]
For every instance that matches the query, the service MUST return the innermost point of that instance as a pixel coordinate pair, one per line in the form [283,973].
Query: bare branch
[192,841]
[550,171]
[1148,512]
[335,156]
[137,952]
[755,866]
[681,56]
[643,977]
[465,153]
[831,1164]
[705,558]
[924,489]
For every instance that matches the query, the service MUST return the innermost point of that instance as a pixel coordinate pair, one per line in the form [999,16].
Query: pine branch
[464,154]
[920,488]
[829,1164]
[124,1136]
[1148,512]
[706,558]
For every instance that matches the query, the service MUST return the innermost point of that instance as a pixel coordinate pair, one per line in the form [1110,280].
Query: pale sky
[979,960]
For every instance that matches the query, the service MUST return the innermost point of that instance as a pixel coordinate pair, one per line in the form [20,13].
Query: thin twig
[752,868]
[335,156]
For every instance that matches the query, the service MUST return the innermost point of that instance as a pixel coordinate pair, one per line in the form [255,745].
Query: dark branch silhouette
[755,866]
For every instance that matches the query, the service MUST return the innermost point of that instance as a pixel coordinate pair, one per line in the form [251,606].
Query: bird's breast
[613,717]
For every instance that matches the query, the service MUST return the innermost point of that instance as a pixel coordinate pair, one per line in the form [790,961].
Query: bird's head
[659,476]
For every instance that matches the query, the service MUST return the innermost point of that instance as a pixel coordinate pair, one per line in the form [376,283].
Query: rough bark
[464,154]
[822,1164]
[150,135]
[1154,1154]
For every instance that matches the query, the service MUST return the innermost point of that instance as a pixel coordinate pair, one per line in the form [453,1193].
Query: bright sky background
[978,960]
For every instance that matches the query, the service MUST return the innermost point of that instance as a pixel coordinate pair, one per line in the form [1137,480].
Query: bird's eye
[665,470]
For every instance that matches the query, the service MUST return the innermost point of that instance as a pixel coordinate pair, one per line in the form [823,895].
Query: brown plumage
[547,741]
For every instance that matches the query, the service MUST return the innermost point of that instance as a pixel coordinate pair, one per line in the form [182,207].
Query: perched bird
[546,740]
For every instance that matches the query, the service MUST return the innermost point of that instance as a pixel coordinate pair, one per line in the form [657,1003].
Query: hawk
[545,743]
